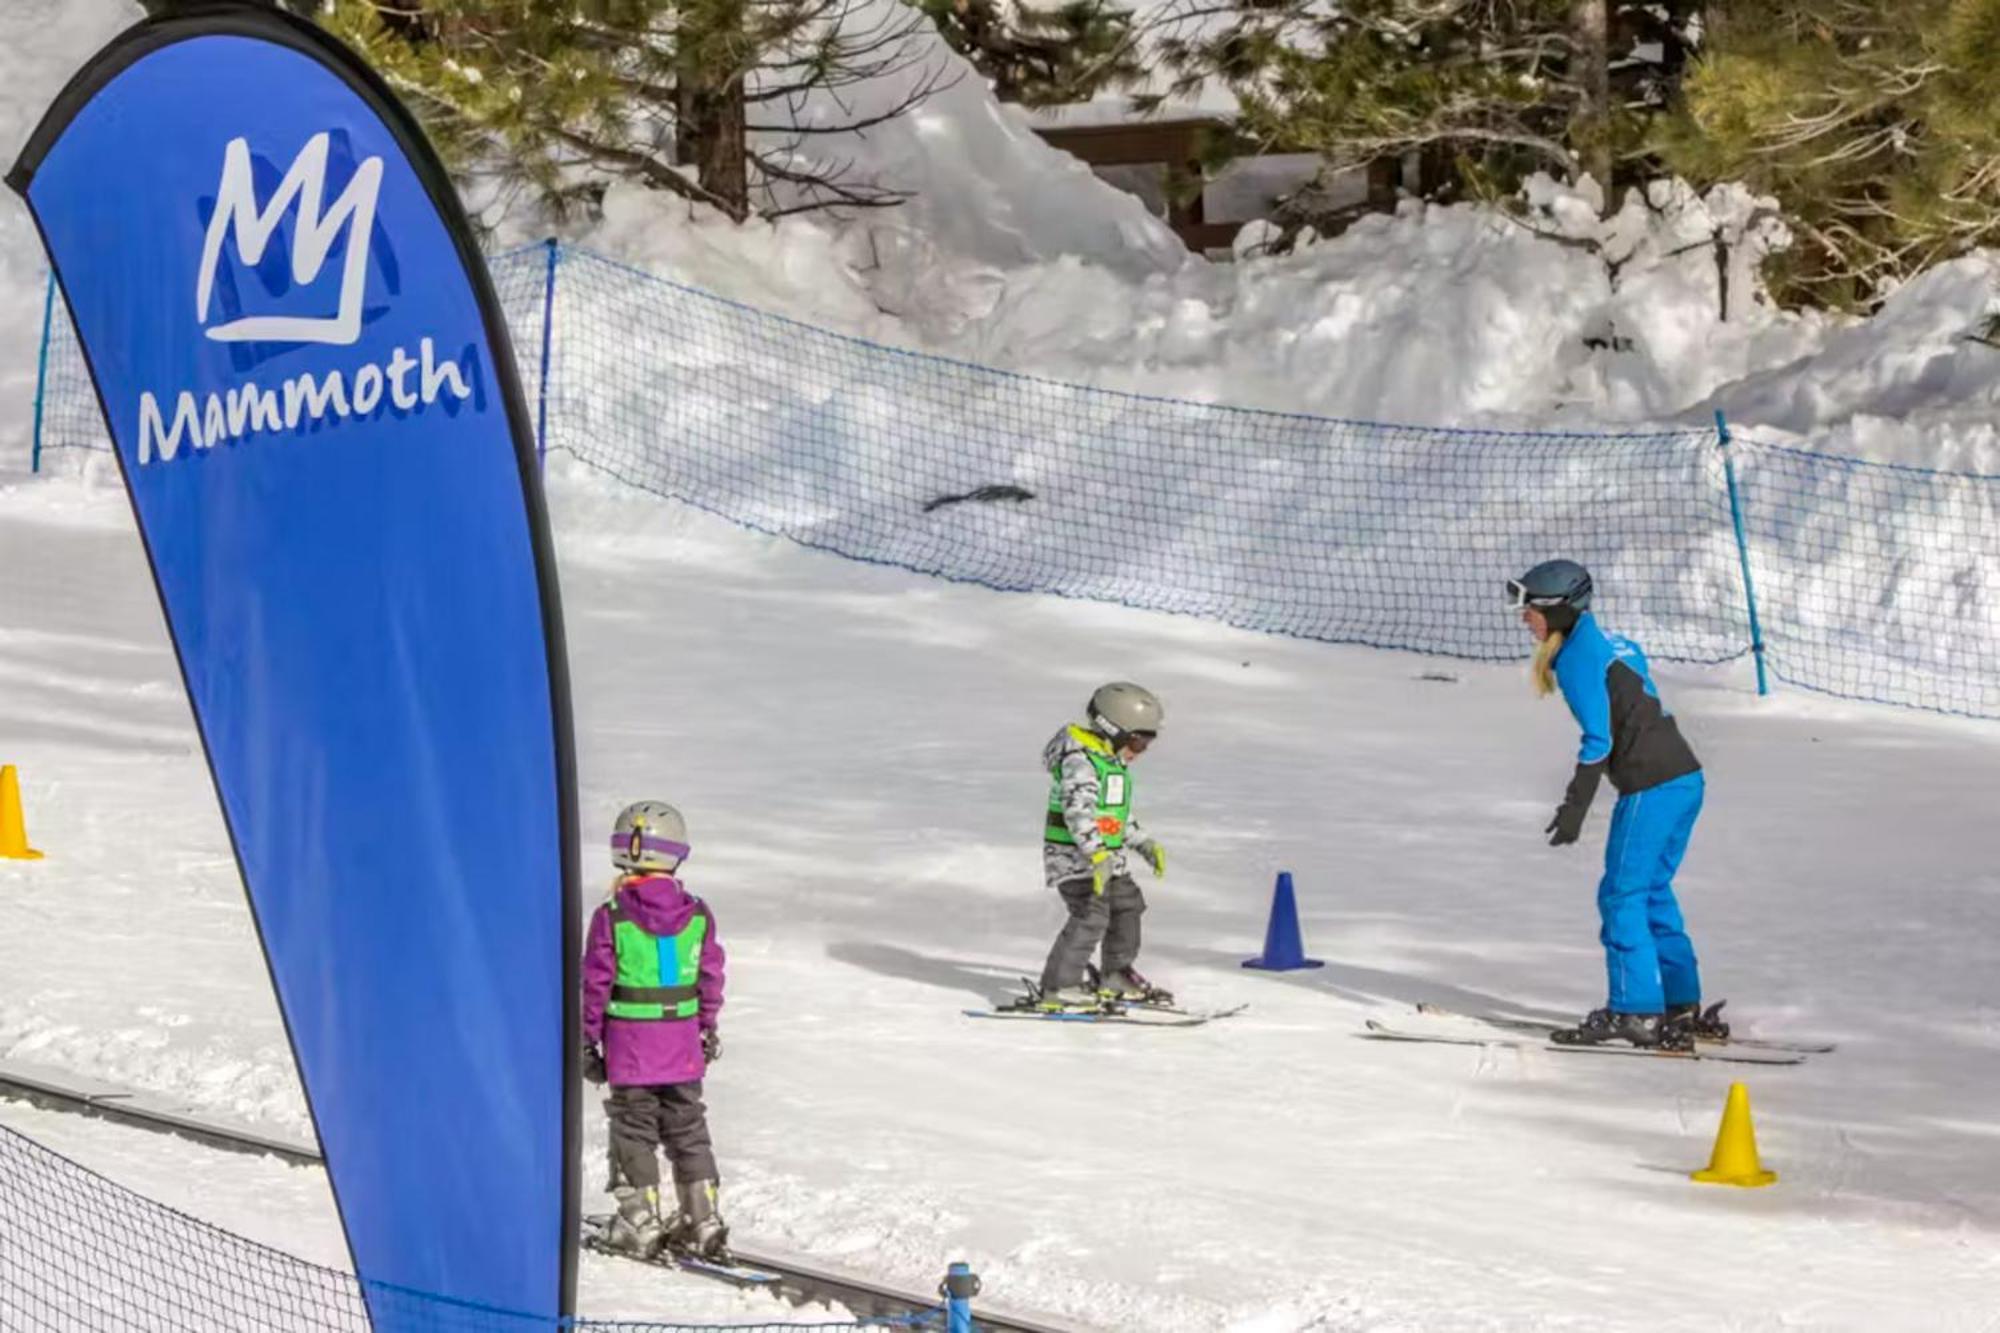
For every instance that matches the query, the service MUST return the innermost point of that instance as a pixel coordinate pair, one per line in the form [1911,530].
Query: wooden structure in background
[1174,146]
[1166,156]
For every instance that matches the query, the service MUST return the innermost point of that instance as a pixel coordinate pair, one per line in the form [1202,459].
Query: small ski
[1383,1032]
[597,1226]
[1204,1014]
[1518,1024]
[1160,1012]
[1134,1016]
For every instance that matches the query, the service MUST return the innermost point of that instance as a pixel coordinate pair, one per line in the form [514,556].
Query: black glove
[1567,826]
[711,1045]
[593,1065]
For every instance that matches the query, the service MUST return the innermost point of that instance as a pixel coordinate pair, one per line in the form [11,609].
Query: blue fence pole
[42,372]
[1742,550]
[548,339]
[961,1284]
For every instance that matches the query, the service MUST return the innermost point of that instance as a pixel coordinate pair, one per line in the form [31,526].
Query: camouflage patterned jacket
[1062,861]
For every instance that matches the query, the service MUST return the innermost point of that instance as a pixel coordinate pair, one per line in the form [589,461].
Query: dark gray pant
[1112,920]
[668,1115]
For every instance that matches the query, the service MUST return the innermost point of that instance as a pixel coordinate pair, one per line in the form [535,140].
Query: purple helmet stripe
[646,844]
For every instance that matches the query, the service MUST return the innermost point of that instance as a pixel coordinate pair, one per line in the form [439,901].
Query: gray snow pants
[1112,920]
[668,1115]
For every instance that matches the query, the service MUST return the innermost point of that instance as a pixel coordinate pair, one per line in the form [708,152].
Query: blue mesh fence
[1876,582]
[1871,580]
[79,1252]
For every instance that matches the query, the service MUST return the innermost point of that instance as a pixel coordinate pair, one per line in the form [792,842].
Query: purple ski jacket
[644,1052]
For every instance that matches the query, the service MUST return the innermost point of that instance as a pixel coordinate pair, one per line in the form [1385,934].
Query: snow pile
[1441,316]
[983,184]
[1916,384]
[1013,254]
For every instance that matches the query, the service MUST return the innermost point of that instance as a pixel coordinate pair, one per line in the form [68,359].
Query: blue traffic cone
[1284,951]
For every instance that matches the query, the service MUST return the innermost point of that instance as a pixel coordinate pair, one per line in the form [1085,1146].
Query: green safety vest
[1114,793]
[657,974]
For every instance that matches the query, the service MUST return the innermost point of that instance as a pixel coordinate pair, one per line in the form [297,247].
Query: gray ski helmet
[1553,585]
[1121,708]
[649,835]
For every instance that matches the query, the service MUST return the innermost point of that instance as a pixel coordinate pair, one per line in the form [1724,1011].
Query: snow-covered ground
[291,1209]
[855,750]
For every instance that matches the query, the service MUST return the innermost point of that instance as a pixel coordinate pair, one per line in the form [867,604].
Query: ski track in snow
[855,749]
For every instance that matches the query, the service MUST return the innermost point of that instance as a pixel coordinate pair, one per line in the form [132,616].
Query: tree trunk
[1590,128]
[709,136]
[1385,177]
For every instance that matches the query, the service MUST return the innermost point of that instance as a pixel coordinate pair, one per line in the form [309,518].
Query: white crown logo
[317,230]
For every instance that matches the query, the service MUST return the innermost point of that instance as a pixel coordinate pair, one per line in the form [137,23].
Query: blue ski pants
[1647,954]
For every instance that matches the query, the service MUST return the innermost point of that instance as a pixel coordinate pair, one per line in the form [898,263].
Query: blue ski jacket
[1628,734]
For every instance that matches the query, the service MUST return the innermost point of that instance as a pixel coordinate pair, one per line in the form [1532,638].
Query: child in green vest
[1086,838]
[652,990]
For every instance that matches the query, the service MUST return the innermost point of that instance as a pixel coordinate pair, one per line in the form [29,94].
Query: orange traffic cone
[13,833]
[1734,1161]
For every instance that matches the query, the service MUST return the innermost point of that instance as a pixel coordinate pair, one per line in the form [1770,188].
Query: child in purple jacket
[652,988]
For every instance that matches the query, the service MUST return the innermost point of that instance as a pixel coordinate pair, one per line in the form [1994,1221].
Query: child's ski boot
[636,1227]
[1066,1000]
[1126,986]
[698,1228]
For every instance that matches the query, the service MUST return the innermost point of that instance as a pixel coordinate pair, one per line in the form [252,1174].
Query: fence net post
[548,337]
[960,1285]
[42,371]
[1742,549]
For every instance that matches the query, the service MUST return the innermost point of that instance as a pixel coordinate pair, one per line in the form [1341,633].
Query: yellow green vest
[658,975]
[1114,793]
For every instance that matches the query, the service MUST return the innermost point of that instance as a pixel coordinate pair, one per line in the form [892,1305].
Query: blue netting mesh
[1876,582]
[78,1252]
[1871,580]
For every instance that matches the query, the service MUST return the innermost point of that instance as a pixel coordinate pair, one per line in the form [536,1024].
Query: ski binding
[1514,1023]
[1383,1032]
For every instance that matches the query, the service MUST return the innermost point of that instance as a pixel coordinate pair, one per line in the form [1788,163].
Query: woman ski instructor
[1629,736]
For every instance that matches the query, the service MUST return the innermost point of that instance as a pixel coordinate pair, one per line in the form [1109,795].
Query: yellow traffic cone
[1734,1161]
[13,833]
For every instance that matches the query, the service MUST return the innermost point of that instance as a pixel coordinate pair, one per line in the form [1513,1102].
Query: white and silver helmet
[649,836]
[1121,711]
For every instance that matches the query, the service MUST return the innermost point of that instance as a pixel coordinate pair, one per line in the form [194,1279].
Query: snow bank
[984,184]
[1013,254]
[1434,315]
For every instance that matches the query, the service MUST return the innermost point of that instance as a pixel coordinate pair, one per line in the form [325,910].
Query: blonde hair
[1543,669]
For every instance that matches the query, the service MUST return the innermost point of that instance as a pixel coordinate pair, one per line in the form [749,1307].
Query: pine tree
[696,97]
[1872,121]
[1483,91]
[1042,55]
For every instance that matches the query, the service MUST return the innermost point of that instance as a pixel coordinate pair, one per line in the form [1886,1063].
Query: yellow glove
[1098,870]
[1157,856]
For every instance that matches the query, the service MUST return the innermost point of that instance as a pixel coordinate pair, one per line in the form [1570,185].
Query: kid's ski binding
[1077,1000]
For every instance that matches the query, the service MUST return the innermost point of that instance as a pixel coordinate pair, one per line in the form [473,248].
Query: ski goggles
[1137,741]
[1518,596]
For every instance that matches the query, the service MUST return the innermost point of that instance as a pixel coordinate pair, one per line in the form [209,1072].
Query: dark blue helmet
[1553,583]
